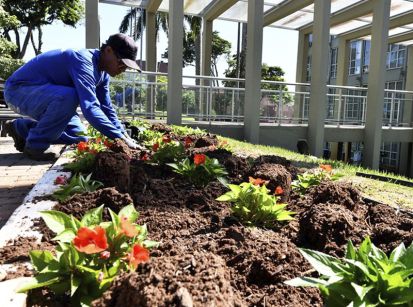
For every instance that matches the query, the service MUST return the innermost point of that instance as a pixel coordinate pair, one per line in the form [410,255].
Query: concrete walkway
[18,175]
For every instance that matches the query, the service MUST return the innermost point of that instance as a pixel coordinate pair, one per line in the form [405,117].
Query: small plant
[253,205]
[309,179]
[202,171]
[365,277]
[78,184]
[149,137]
[183,131]
[85,154]
[167,151]
[90,253]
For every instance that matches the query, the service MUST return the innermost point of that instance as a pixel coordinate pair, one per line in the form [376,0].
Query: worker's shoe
[19,142]
[41,155]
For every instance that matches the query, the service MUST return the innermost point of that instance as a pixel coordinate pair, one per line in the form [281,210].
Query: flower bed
[208,253]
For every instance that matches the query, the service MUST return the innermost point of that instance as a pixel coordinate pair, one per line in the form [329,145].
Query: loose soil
[206,257]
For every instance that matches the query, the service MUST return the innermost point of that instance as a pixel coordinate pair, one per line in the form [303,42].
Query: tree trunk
[26,42]
[17,52]
[38,49]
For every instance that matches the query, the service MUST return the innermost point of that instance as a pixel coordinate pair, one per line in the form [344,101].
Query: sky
[279,45]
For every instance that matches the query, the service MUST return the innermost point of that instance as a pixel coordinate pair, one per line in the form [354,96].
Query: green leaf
[397,252]
[350,251]
[40,259]
[39,281]
[65,236]
[74,284]
[320,261]
[92,217]
[57,221]
[360,290]
[130,212]
[150,244]
[115,218]
[305,282]
[225,197]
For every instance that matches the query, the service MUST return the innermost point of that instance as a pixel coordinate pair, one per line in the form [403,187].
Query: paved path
[18,175]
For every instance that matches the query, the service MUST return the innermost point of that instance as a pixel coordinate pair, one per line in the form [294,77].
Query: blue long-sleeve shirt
[78,69]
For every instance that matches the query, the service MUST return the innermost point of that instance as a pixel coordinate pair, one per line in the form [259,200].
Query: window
[397,99]
[308,71]
[331,103]
[353,110]
[333,63]
[355,57]
[366,56]
[389,155]
[395,56]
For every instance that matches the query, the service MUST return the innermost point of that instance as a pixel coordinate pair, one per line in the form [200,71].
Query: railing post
[280,106]
[133,101]
[340,97]
[391,109]
[210,102]
[232,105]
[363,112]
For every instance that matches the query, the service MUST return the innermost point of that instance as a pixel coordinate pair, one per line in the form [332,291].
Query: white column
[375,94]
[319,69]
[253,71]
[175,51]
[302,54]
[92,26]
[150,60]
[342,62]
[206,47]
[406,158]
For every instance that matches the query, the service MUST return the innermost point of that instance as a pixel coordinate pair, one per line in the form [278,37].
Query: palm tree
[135,22]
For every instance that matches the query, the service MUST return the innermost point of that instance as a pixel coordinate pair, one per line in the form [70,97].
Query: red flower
[105,255]
[257,181]
[188,142]
[128,229]
[82,146]
[166,138]
[199,159]
[326,167]
[98,140]
[93,151]
[138,255]
[278,190]
[90,241]
[144,156]
[107,143]
[155,147]
[60,180]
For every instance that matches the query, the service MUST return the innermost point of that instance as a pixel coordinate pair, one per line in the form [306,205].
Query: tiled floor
[18,175]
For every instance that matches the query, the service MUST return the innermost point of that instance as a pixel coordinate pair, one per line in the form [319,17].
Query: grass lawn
[384,192]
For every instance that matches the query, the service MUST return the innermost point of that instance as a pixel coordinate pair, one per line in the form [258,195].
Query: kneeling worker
[49,88]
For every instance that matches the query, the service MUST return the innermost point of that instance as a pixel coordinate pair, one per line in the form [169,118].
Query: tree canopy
[32,15]
[7,64]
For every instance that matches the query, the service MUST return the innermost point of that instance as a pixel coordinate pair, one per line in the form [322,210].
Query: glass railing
[212,99]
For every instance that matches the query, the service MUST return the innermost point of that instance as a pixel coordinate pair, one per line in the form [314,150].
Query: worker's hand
[131,143]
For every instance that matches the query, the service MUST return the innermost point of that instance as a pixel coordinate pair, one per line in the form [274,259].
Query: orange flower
[82,146]
[188,142]
[326,167]
[138,255]
[93,152]
[257,181]
[98,140]
[90,241]
[199,159]
[278,190]
[128,229]
[166,138]
[155,147]
[107,143]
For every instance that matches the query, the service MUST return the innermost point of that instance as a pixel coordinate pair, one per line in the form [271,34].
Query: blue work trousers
[52,111]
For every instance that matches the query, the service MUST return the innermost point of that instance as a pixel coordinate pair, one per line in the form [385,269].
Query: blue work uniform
[50,87]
